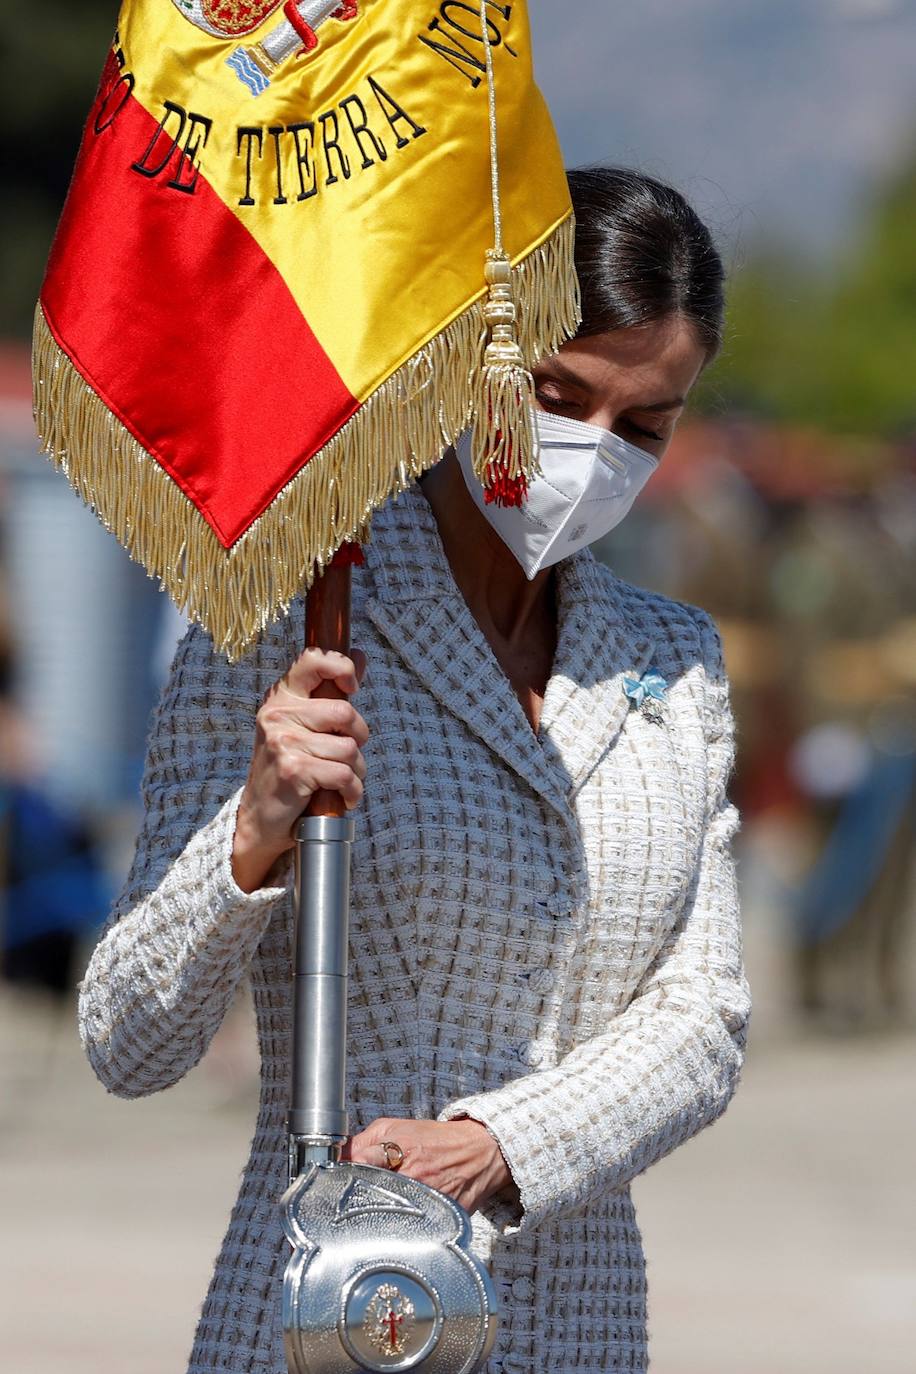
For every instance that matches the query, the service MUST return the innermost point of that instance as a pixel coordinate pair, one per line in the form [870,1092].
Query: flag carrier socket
[318,1124]
[381,1275]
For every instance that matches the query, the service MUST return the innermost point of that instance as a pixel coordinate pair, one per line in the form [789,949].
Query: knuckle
[335,776]
[303,667]
[270,716]
[344,777]
[342,714]
[288,766]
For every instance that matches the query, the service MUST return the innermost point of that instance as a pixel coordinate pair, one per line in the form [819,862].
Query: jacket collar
[414,603]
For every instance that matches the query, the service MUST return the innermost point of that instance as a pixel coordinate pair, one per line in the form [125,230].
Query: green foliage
[836,352]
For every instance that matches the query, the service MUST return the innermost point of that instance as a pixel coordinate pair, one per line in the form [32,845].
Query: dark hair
[642,254]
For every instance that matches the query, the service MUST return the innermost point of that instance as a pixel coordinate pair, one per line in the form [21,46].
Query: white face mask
[589,479]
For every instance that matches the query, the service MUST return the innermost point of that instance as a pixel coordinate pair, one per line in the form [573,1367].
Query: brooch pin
[650,695]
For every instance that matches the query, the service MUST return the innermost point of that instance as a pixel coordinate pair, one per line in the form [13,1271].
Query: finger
[334,749]
[364,1147]
[376,1156]
[337,777]
[332,718]
[315,666]
[312,716]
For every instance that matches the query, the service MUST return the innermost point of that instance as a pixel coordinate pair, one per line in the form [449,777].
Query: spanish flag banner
[281,282]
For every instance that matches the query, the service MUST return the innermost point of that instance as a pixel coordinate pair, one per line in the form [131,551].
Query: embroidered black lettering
[199,127]
[308,179]
[276,131]
[359,127]
[330,141]
[115,98]
[458,56]
[395,114]
[249,136]
[145,166]
[506,12]
[474,31]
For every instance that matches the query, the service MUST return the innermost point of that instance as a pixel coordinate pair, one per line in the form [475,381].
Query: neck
[496,590]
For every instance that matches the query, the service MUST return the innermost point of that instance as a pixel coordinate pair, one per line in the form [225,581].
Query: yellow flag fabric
[263,311]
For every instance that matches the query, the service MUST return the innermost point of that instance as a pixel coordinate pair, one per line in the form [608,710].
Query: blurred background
[782,1240]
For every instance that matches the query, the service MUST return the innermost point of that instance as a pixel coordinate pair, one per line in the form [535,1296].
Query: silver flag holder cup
[381,1276]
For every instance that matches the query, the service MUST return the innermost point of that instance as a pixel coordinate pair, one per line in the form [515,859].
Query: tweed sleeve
[668,1064]
[182,933]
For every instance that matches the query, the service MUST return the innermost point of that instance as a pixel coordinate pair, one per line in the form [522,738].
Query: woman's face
[632,381]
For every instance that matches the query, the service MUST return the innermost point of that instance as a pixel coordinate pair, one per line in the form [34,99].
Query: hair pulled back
[643,254]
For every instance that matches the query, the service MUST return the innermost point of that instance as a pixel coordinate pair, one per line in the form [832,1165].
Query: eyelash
[645,433]
[557,403]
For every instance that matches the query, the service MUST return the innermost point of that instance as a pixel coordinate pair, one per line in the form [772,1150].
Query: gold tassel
[505,447]
[399,432]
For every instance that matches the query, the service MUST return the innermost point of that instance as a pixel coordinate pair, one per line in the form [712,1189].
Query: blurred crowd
[801,548]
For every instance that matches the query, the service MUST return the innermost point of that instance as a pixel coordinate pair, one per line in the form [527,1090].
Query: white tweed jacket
[545,932]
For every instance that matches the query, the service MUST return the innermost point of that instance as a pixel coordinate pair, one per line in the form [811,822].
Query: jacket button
[531,1055]
[522,1290]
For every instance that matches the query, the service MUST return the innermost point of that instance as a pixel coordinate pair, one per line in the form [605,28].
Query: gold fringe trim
[395,436]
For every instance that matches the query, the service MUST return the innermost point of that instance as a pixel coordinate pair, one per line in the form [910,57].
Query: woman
[546,984]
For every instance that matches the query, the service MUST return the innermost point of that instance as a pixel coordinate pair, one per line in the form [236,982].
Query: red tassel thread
[499,489]
[502,490]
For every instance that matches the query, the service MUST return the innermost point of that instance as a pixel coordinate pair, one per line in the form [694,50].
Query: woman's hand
[459,1158]
[302,744]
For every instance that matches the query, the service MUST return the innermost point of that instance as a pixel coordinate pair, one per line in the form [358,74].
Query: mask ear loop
[505,453]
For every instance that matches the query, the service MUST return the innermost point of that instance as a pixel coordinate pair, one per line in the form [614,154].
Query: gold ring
[394,1155]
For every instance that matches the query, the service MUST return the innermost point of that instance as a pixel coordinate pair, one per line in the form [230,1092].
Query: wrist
[252,856]
[496,1171]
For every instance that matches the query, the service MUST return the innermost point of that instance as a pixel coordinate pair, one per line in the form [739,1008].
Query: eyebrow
[566,374]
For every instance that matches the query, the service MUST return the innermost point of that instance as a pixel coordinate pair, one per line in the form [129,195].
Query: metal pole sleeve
[320,987]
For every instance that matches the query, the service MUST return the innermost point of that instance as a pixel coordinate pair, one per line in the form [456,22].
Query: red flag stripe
[176,318]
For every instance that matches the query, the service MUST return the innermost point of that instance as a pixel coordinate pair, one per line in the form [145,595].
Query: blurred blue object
[54,885]
[857,848]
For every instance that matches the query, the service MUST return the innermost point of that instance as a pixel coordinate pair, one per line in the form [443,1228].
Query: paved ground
[780,1242]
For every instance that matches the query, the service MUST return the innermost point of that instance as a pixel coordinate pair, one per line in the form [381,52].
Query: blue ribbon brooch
[649,694]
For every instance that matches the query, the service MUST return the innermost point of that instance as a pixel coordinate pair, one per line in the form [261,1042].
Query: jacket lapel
[586,706]
[419,610]
[442,644]
[415,604]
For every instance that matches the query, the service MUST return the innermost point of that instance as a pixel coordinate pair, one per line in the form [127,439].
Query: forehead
[652,361]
